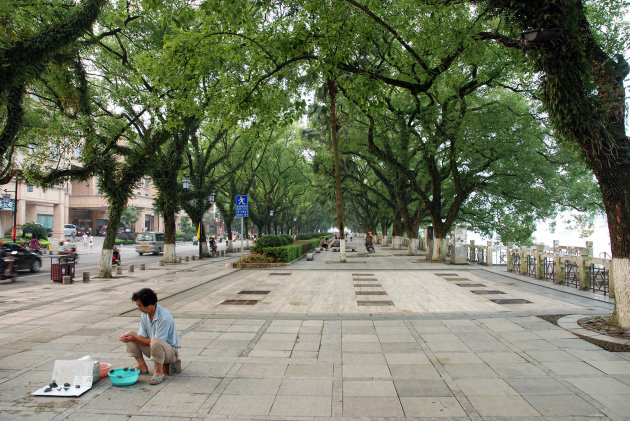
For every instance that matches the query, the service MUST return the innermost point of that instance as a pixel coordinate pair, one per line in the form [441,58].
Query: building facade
[78,203]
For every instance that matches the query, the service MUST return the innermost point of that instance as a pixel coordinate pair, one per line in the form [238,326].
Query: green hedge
[284,253]
[311,235]
[292,251]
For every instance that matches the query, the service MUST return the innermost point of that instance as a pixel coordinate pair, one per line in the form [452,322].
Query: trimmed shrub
[287,237]
[256,258]
[268,241]
[126,236]
[284,253]
[311,235]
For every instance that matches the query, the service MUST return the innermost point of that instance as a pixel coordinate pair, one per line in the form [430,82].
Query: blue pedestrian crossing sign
[242,210]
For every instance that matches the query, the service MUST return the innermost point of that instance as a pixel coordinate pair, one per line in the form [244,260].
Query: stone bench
[309,257]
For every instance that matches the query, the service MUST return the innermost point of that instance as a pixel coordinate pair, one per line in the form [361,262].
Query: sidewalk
[384,336]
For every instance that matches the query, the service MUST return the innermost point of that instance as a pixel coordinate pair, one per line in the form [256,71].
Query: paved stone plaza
[387,336]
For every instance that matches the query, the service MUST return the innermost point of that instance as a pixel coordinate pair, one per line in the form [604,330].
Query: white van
[150,242]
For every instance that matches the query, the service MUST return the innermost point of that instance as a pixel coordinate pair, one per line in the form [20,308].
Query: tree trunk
[169,237]
[412,248]
[440,246]
[332,91]
[114,212]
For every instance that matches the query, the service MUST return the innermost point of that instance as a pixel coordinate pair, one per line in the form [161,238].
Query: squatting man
[156,338]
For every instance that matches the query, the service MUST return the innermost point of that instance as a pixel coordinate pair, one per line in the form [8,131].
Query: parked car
[70,230]
[24,259]
[150,242]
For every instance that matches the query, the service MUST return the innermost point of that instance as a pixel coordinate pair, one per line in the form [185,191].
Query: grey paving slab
[538,386]
[562,406]
[503,406]
[421,387]
[372,406]
[301,406]
[432,407]
[438,352]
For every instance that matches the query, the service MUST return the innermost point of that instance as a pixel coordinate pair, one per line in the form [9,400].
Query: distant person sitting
[335,242]
[63,249]
[115,256]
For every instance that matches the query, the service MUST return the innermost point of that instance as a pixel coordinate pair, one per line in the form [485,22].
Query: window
[45,220]
[29,188]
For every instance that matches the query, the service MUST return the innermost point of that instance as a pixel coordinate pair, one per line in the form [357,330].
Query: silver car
[150,242]
[69,230]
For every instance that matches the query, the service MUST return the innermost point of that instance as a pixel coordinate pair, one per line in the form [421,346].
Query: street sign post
[242,211]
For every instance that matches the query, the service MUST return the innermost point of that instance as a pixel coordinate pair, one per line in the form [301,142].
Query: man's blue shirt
[163,326]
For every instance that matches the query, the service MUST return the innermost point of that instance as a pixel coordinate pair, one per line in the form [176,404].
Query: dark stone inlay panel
[362,274]
[470,285]
[375,303]
[510,301]
[240,302]
[280,273]
[366,285]
[254,292]
[487,292]
[370,293]
[456,279]
[365,279]
[446,274]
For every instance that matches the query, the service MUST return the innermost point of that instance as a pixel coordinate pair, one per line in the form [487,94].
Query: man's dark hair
[146,296]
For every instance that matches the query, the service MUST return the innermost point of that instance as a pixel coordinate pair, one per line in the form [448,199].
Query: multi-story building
[78,203]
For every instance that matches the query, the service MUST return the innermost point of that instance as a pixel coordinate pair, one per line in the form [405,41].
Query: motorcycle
[213,248]
[5,273]
[369,247]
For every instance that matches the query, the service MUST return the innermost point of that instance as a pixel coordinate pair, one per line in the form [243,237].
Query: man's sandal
[156,380]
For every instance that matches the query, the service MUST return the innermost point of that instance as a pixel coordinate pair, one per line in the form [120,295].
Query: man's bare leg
[142,365]
[158,369]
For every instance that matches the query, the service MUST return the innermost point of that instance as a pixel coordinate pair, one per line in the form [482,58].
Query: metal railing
[549,273]
[572,274]
[600,278]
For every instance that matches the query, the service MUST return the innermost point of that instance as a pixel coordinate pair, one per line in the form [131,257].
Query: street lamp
[271,224]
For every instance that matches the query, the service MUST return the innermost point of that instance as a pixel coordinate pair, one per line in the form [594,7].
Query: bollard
[229,266]
[66,280]
[86,276]
[130,268]
[194,257]
[187,258]
[178,259]
[309,256]
[118,270]
[161,262]
[142,266]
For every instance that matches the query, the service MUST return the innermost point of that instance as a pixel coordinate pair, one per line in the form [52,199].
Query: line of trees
[419,112]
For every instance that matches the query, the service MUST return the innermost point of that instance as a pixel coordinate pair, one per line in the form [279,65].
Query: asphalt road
[89,262]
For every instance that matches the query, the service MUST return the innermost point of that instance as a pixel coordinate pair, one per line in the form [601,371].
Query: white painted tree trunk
[229,246]
[342,251]
[412,247]
[621,273]
[385,241]
[105,265]
[205,250]
[169,253]
[439,249]
[397,242]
